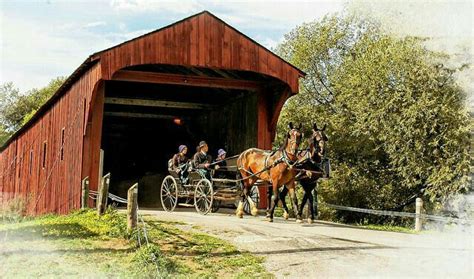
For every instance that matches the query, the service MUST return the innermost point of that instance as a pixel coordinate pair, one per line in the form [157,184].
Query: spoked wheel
[203,196]
[216,204]
[169,193]
[254,196]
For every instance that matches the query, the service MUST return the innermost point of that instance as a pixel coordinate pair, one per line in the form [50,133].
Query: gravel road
[329,250]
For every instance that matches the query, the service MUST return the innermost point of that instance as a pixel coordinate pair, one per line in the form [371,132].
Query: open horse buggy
[253,168]
[207,194]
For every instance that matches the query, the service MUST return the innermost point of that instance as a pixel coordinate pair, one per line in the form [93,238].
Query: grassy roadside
[388,228]
[82,244]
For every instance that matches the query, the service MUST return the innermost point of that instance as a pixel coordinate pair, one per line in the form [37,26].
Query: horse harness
[283,159]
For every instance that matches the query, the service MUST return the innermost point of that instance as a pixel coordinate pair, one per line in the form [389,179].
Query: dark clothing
[179,160]
[200,159]
[181,167]
[221,172]
[222,163]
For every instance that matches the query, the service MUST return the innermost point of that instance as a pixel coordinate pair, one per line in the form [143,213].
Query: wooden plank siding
[203,41]
[30,164]
[56,186]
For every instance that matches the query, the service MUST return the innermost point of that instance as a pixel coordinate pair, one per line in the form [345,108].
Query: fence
[419,217]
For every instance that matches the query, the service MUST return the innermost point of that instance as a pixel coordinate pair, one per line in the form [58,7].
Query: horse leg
[239,212]
[315,199]
[253,207]
[310,205]
[294,202]
[303,202]
[247,183]
[274,200]
[269,200]
[282,197]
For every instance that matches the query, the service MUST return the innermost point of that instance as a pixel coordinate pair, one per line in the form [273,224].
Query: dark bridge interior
[144,123]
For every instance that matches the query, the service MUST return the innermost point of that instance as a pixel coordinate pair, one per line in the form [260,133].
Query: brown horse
[311,169]
[275,168]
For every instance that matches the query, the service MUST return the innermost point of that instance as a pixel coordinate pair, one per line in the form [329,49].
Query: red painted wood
[206,34]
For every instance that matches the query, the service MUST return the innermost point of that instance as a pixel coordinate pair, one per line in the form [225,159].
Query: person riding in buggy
[180,164]
[202,161]
[220,165]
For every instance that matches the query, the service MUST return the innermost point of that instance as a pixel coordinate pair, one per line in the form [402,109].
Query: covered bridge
[196,79]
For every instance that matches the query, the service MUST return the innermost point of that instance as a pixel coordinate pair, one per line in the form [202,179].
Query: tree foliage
[397,119]
[17,108]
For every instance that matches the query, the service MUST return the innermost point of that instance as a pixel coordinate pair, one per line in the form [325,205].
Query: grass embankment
[84,245]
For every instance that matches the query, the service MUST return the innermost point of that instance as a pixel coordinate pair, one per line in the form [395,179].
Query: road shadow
[35,252]
[52,231]
[322,249]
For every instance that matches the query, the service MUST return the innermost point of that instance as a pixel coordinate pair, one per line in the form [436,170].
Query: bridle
[317,139]
[293,141]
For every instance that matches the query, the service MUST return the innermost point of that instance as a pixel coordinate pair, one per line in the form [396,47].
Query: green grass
[82,244]
[389,228]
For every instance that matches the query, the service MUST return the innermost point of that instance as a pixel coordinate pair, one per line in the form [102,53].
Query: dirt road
[324,249]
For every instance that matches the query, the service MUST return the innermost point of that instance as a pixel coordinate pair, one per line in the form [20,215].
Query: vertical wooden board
[235,46]
[253,58]
[193,43]
[202,41]
[186,37]
[164,49]
[46,183]
[17,163]
[180,41]
[38,202]
[263,59]
[212,44]
[60,150]
[226,48]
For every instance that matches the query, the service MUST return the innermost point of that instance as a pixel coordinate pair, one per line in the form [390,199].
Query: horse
[310,166]
[275,168]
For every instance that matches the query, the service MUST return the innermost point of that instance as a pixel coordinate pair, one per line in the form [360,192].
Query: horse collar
[288,161]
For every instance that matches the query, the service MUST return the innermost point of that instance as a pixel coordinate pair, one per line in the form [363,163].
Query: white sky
[44,39]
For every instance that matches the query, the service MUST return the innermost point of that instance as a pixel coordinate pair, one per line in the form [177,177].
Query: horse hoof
[254,212]
[239,214]
[286,215]
[310,221]
[298,221]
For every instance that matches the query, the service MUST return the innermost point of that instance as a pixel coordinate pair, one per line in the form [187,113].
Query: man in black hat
[202,160]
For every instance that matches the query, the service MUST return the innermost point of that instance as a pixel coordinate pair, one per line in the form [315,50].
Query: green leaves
[16,108]
[397,118]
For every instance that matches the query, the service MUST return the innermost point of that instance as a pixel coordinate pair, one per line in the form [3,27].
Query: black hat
[202,143]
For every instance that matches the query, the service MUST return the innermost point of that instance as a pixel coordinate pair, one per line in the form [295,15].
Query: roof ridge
[196,15]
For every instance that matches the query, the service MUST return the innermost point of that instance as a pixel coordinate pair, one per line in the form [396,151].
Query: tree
[16,108]
[397,119]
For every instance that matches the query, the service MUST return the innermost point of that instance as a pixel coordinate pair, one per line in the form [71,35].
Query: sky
[44,39]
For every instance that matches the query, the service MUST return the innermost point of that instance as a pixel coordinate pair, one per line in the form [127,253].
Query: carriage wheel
[254,196]
[216,204]
[203,196]
[169,193]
